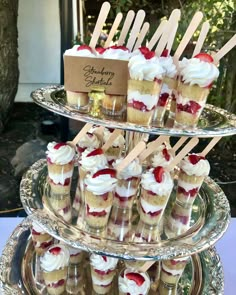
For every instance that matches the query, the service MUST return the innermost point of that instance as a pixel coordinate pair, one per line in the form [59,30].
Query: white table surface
[225,248]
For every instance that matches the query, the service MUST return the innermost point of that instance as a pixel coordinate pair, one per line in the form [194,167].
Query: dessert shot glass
[114,106]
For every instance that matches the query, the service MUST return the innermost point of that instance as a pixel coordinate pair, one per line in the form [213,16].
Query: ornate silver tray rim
[43,97]
[11,282]
[217,220]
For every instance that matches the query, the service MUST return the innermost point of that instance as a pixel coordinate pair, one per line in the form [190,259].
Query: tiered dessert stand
[209,220]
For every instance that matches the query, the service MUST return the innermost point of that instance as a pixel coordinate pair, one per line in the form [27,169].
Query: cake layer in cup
[55,281]
[77,99]
[172,270]
[56,169]
[98,219]
[59,189]
[114,105]
[192,179]
[41,242]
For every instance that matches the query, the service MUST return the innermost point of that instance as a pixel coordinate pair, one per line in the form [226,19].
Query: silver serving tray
[203,275]
[213,122]
[209,220]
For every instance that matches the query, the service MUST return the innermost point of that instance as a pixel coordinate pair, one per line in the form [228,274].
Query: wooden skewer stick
[127,24]
[111,139]
[82,132]
[113,29]
[225,49]
[135,29]
[142,35]
[99,24]
[179,143]
[156,36]
[173,19]
[188,35]
[201,38]
[171,40]
[146,266]
[210,146]
[187,148]
[131,156]
[152,146]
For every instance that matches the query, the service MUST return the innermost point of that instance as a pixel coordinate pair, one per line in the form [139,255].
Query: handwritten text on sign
[83,73]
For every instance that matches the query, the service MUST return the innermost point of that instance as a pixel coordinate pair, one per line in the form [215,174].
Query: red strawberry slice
[192,107]
[163,99]
[136,277]
[111,172]
[204,57]
[55,250]
[58,145]
[95,153]
[138,105]
[104,258]
[144,50]
[100,50]
[96,214]
[84,47]
[194,159]
[165,53]
[166,154]
[149,55]
[191,193]
[121,47]
[34,232]
[158,173]
[58,284]
[46,245]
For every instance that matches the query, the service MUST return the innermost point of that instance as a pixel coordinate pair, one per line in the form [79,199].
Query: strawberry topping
[163,99]
[191,193]
[158,173]
[144,50]
[138,105]
[136,277]
[165,53]
[121,47]
[84,47]
[101,272]
[104,258]
[96,214]
[152,214]
[95,153]
[55,250]
[46,245]
[191,107]
[34,232]
[58,145]
[194,159]
[204,57]
[100,50]
[149,55]
[166,154]
[111,172]
[58,284]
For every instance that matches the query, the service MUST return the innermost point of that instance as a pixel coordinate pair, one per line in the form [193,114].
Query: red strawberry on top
[194,159]
[149,55]
[104,258]
[84,47]
[55,250]
[204,57]
[111,172]
[121,47]
[58,145]
[136,277]
[100,50]
[95,153]
[166,154]
[158,173]
[165,53]
[144,50]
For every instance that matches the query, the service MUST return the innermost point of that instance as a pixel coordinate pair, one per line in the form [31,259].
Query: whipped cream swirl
[101,184]
[202,168]
[159,159]
[82,53]
[92,163]
[149,183]
[103,263]
[130,286]
[62,155]
[116,53]
[118,142]
[50,262]
[169,66]
[195,71]
[89,140]
[141,68]
[134,169]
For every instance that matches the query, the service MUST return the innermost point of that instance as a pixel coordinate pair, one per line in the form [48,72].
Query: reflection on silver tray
[213,122]
[209,220]
[204,275]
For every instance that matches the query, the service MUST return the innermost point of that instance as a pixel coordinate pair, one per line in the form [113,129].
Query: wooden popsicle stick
[179,143]
[99,132]
[131,156]
[156,36]
[202,36]
[152,146]
[171,39]
[142,35]
[82,132]
[225,49]
[210,146]
[146,266]
[99,24]
[187,148]
[113,29]
[188,35]
[111,139]
[135,29]
[173,19]
[127,24]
